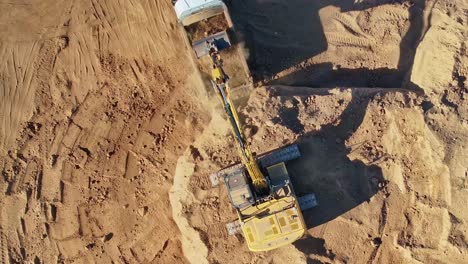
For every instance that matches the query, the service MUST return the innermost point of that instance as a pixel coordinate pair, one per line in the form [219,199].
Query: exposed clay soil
[107,135]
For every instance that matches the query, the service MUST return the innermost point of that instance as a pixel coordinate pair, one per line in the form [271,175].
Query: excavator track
[265,160]
[3,248]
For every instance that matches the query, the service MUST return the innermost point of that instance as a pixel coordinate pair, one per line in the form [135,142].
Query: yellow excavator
[259,189]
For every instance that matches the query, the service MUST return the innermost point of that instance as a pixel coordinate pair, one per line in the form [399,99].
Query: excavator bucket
[220,39]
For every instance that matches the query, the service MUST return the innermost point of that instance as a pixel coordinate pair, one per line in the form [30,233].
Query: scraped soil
[107,135]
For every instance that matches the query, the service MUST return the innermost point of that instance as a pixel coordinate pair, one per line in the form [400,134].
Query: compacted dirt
[107,135]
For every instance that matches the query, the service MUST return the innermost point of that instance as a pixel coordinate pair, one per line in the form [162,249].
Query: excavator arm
[221,85]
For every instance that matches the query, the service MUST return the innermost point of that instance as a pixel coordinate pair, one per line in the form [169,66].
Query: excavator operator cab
[272,220]
[239,190]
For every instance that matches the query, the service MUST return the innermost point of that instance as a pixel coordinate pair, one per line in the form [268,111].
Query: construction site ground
[107,135]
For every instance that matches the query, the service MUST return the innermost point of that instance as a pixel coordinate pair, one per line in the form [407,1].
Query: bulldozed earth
[108,136]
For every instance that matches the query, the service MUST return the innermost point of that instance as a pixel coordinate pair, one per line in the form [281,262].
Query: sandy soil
[97,106]
[107,136]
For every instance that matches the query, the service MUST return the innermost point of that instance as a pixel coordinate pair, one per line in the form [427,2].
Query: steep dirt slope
[98,102]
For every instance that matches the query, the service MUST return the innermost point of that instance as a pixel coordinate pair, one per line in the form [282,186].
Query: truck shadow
[282,34]
[323,75]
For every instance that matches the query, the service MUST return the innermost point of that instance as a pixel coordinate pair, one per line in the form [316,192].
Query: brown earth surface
[207,27]
[107,135]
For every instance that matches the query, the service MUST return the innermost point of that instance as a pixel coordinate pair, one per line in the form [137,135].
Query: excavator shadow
[324,168]
[340,184]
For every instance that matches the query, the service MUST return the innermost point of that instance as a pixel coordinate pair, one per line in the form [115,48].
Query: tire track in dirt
[3,248]
[354,35]
[78,59]
[340,39]
[350,24]
[16,88]
[389,14]
[76,110]
[378,240]
[148,22]
[116,25]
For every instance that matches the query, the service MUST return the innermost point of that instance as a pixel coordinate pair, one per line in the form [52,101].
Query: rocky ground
[108,137]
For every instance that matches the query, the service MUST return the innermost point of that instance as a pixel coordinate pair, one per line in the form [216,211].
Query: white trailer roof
[185,8]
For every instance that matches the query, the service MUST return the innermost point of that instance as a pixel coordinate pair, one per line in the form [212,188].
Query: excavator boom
[270,216]
[257,177]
